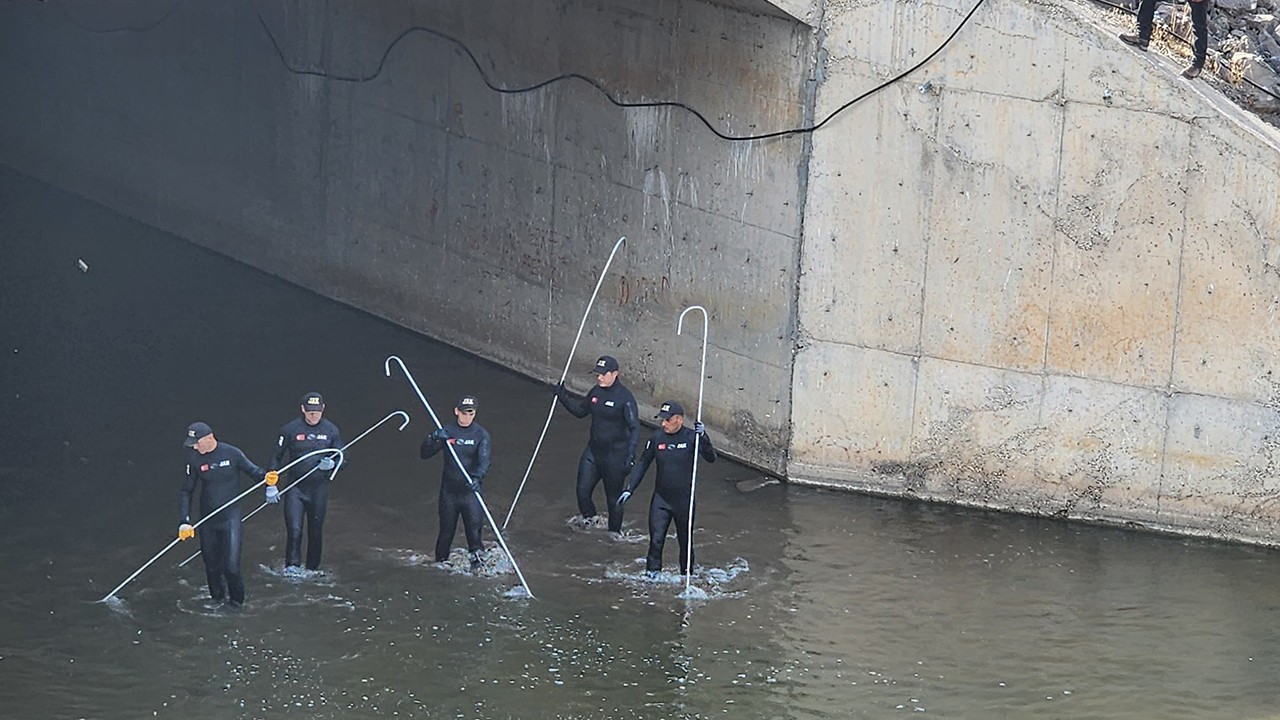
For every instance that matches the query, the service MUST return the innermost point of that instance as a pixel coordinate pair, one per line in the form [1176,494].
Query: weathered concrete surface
[1040,274]
[423,196]
[1043,280]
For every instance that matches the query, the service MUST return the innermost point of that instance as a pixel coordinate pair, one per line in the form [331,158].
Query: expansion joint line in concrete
[1177,314]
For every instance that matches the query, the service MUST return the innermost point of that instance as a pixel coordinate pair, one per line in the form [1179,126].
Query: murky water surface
[809,604]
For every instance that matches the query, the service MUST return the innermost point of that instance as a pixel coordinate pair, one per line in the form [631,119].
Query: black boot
[1136,40]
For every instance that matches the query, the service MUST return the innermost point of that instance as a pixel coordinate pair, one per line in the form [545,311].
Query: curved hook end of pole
[680,322]
[386,366]
[404,424]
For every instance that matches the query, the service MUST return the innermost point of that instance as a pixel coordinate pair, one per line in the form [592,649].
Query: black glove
[699,429]
[440,435]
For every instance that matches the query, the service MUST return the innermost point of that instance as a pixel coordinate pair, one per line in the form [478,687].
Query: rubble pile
[1244,48]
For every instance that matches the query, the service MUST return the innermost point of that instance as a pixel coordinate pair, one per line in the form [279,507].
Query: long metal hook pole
[224,506]
[313,469]
[492,523]
[693,483]
[568,361]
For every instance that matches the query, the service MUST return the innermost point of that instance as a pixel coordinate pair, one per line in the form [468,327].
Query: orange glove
[186,531]
[272,478]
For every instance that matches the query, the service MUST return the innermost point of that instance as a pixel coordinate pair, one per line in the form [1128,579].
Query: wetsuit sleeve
[704,448]
[248,468]
[335,443]
[640,468]
[184,497]
[430,446]
[277,455]
[577,408]
[631,415]
[482,458]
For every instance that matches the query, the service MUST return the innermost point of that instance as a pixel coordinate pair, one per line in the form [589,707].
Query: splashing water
[117,605]
[296,574]
[709,581]
[595,522]
[492,563]
[693,592]
[516,593]
[725,575]
[630,536]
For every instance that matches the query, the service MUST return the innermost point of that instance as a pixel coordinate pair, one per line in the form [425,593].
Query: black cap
[668,409]
[312,402]
[606,363]
[467,402]
[195,431]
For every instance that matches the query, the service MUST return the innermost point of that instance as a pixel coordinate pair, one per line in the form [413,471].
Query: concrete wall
[423,196]
[1040,274]
[1047,282]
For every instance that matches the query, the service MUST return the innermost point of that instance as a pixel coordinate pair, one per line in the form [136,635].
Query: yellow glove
[186,532]
[272,478]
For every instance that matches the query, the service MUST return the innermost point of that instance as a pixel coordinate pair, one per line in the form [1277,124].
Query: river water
[807,604]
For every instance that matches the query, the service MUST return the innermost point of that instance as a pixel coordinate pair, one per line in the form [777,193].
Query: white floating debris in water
[754,484]
[84,266]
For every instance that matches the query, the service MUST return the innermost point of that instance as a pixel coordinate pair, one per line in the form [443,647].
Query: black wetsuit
[674,454]
[310,497]
[610,451]
[217,473]
[456,498]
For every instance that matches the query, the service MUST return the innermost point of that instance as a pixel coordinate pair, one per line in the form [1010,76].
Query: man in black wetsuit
[611,447]
[672,447]
[309,498]
[215,465]
[459,491]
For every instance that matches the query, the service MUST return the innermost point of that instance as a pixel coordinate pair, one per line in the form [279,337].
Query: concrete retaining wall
[1043,280]
[424,196]
[1040,274]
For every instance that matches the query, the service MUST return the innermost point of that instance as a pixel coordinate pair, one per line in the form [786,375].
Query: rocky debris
[1244,48]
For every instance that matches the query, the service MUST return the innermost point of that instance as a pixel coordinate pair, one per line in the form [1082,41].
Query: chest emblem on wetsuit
[608,403]
[463,441]
[682,446]
[322,437]
[662,446]
[595,400]
[204,468]
[301,437]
